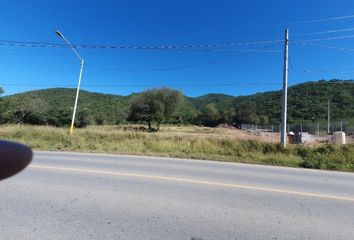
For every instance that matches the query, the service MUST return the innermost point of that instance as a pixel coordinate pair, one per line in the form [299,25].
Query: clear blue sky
[136,23]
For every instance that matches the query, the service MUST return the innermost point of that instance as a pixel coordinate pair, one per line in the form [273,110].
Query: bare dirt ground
[222,131]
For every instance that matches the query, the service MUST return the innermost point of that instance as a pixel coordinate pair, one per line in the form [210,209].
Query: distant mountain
[222,101]
[306,102]
[98,107]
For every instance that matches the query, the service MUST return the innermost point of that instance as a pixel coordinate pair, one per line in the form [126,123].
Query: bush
[330,158]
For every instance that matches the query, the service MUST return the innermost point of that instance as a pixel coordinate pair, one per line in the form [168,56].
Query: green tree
[155,105]
[58,117]
[29,110]
[82,119]
[210,115]
[186,113]
[245,114]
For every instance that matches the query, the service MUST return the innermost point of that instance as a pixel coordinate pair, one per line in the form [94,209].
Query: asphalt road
[91,196]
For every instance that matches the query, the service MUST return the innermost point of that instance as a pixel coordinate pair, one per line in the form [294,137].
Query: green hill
[54,106]
[222,101]
[306,102]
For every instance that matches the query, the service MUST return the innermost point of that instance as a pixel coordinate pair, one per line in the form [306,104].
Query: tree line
[307,102]
[151,107]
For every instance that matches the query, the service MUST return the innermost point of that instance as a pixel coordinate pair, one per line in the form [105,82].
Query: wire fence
[307,131]
[309,127]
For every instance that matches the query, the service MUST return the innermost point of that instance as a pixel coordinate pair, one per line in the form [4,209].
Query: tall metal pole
[79,82]
[76,98]
[329,117]
[285,90]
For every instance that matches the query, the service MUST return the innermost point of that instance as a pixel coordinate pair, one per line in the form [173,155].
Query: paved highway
[92,196]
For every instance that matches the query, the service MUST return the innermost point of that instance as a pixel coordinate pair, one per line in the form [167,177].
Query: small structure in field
[300,137]
[339,138]
[305,137]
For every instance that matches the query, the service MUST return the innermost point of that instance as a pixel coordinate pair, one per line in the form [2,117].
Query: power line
[323,46]
[322,71]
[351,82]
[178,67]
[324,39]
[167,68]
[183,46]
[200,47]
[205,50]
[309,21]
[156,47]
[325,32]
[238,50]
[139,85]
[322,20]
[159,85]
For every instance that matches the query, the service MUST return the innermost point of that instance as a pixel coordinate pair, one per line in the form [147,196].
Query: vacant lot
[221,144]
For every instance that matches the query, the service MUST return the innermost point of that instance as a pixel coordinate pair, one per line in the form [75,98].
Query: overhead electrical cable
[318,20]
[324,39]
[155,47]
[325,32]
[139,85]
[324,46]
[322,71]
[175,68]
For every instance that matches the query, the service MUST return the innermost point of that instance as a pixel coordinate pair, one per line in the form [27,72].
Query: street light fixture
[78,85]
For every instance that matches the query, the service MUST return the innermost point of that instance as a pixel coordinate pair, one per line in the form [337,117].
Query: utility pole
[285,90]
[79,81]
[329,117]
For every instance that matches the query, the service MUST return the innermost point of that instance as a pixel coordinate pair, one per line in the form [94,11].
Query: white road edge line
[194,181]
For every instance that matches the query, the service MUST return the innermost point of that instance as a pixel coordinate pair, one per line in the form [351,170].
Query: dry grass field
[219,144]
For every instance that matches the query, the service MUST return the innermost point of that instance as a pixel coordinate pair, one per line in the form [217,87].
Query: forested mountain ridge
[306,102]
[54,106]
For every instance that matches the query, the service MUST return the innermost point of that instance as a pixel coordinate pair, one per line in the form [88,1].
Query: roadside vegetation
[166,123]
[183,142]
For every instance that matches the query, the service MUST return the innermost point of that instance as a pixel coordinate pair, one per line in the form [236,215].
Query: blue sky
[145,23]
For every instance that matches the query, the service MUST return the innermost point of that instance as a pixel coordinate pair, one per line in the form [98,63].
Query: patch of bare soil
[227,126]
